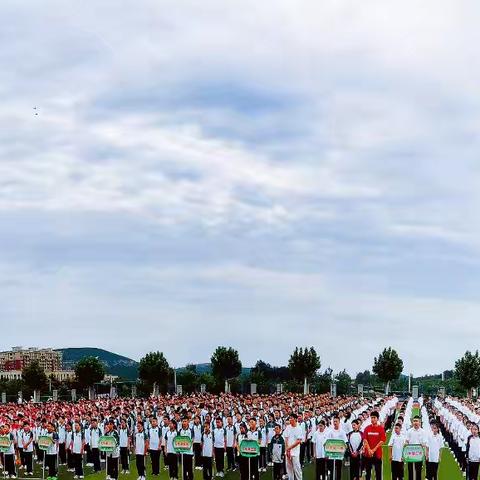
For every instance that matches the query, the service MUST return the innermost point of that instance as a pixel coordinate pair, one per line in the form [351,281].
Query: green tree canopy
[344,383]
[388,365]
[154,368]
[34,377]
[226,364]
[467,370]
[304,363]
[88,371]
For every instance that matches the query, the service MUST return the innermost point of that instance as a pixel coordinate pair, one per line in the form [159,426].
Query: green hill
[114,364]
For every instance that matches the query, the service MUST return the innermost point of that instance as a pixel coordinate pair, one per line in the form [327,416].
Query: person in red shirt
[373,439]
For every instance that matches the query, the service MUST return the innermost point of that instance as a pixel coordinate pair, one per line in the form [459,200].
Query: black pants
[243,465]
[140,461]
[51,464]
[124,458]
[432,471]
[9,464]
[473,470]
[207,468]
[417,466]
[70,460]
[172,465]
[308,450]
[219,459]
[253,468]
[376,464]
[28,461]
[155,458]
[230,458]
[89,453]
[112,467]
[302,453]
[354,467]
[397,470]
[197,451]
[96,460]
[20,454]
[262,460]
[338,468]
[62,453]
[320,469]
[277,471]
[78,464]
[187,472]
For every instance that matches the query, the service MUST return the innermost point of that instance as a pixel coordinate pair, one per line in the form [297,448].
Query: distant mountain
[207,368]
[114,364]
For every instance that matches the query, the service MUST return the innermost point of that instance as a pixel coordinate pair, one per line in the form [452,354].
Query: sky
[177,175]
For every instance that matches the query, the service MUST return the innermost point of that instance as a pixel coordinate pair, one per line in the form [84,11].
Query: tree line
[226,372]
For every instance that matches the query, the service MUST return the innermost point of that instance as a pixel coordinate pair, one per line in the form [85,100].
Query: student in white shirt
[318,443]
[219,446]
[434,444]
[207,451]
[355,446]
[77,446]
[170,450]
[395,448]
[187,457]
[293,439]
[141,448]
[124,442]
[27,445]
[416,436]
[473,453]
[154,443]
[336,432]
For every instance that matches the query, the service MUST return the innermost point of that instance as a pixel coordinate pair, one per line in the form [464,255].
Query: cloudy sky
[176,175]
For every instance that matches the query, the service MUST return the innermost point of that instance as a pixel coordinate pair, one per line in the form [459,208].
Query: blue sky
[255,174]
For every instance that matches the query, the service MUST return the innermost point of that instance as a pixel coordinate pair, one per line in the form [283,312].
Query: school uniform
[318,442]
[18,439]
[140,451]
[62,451]
[207,455]
[434,443]
[155,440]
[123,436]
[230,434]
[112,457]
[68,450]
[77,446]
[94,437]
[354,444]
[336,434]
[416,437]
[51,455]
[187,457]
[397,442]
[473,456]
[9,457]
[255,435]
[276,449]
[171,454]
[197,444]
[27,444]
[219,449]
[262,459]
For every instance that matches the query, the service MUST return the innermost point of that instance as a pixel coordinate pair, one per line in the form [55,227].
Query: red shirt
[374,435]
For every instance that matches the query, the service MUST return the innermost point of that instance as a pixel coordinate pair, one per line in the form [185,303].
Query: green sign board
[44,442]
[335,449]
[249,448]
[182,444]
[5,443]
[413,453]
[107,443]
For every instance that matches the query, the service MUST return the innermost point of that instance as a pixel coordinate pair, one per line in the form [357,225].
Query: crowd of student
[291,431]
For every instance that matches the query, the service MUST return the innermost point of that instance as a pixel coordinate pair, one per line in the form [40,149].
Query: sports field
[448,471]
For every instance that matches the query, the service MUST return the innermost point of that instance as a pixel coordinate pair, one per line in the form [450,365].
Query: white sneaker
[81,476]
[75,476]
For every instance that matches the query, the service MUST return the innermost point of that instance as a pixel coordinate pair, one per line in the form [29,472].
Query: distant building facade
[19,358]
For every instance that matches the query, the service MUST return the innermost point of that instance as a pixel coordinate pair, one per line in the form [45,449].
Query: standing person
[395,448]
[219,444]
[62,451]
[473,453]
[435,443]
[197,442]
[242,461]
[171,453]
[230,434]
[355,446]
[263,446]
[52,451]
[155,441]
[276,449]
[94,436]
[9,455]
[293,439]
[416,436]
[111,458]
[125,445]
[27,445]
[68,444]
[207,451]
[318,444]
[19,443]
[336,432]
[187,461]
[77,447]
[373,439]
[254,434]
[141,449]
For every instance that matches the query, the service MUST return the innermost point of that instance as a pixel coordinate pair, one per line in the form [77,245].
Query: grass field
[448,471]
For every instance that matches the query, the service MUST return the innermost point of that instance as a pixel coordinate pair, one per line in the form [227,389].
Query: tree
[388,366]
[34,377]
[154,369]
[467,370]
[344,383]
[188,378]
[88,371]
[225,364]
[304,363]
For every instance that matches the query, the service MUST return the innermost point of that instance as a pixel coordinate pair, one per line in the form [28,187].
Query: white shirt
[416,436]
[318,439]
[397,442]
[434,444]
[474,451]
[207,444]
[292,435]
